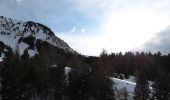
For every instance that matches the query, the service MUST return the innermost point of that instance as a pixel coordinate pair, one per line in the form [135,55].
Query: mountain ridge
[24,35]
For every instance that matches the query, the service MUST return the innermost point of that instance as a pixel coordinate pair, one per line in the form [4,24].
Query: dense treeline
[131,63]
[145,67]
[44,76]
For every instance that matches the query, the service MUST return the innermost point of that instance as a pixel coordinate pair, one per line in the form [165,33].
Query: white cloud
[18,1]
[83,30]
[73,30]
[83,44]
[123,29]
[129,29]
[85,5]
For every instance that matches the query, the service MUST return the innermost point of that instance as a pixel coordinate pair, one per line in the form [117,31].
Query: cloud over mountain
[161,42]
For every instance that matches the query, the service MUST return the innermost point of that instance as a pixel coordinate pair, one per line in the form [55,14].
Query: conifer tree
[161,86]
[142,87]
[11,73]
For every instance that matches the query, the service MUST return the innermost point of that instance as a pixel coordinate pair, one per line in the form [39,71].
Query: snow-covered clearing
[123,88]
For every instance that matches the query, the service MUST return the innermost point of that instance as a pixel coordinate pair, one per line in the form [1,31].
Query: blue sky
[88,26]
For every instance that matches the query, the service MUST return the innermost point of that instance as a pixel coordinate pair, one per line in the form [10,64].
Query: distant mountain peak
[15,33]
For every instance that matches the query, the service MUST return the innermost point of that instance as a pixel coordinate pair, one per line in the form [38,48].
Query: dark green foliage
[24,78]
[4,33]
[161,86]
[85,85]
[4,48]
[12,74]
[20,40]
[45,29]
[43,76]
[29,24]
[29,40]
[142,87]
[121,77]
[87,81]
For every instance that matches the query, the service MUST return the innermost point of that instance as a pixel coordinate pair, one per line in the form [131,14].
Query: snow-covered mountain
[24,35]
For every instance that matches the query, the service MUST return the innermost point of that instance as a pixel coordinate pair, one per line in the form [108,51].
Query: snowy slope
[12,31]
[131,79]
[120,86]
[126,86]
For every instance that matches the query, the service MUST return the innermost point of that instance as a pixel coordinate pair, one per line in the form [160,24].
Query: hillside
[25,35]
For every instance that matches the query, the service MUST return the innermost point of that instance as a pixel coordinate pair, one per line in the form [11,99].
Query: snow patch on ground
[119,84]
[32,52]
[67,70]
[123,86]
[1,59]
[131,79]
